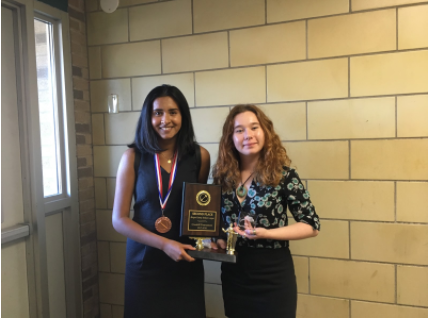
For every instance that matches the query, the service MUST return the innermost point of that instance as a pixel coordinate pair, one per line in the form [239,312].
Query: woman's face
[166,118]
[248,136]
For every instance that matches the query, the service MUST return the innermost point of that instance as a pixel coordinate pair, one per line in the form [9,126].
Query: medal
[163,223]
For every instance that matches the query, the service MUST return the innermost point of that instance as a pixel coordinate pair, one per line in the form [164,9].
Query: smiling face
[166,118]
[248,136]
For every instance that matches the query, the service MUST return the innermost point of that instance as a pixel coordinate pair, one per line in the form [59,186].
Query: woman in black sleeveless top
[161,279]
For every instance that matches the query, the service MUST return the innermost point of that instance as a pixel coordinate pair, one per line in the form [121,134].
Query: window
[50,106]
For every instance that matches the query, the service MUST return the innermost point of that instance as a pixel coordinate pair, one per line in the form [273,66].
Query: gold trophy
[231,239]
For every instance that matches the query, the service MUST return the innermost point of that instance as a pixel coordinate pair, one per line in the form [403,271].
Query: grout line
[349,77]
[195,96]
[350,6]
[397,28]
[161,57]
[278,63]
[395,284]
[331,258]
[192,16]
[131,93]
[349,238]
[395,202]
[307,121]
[350,305]
[107,186]
[349,159]
[267,86]
[306,39]
[128,24]
[228,48]
[395,116]
[265,11]
[104,128]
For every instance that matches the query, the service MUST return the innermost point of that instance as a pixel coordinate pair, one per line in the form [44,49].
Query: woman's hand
[220,243]
[250,232]
[176,251]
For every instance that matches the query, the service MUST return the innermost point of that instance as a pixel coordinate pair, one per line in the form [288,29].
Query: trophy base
[219,255]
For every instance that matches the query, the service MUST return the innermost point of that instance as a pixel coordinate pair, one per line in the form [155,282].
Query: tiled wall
[344,81]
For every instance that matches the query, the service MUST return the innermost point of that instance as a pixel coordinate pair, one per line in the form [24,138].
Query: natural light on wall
[46,85]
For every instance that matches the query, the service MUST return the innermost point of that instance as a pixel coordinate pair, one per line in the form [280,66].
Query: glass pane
[47,108]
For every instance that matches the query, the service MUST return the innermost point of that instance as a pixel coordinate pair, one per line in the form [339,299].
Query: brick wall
[345,82]
[84,146]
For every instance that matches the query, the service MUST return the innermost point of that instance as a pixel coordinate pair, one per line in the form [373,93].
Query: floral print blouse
[269,206]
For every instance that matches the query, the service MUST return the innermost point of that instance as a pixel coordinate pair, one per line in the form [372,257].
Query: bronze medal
[163,224]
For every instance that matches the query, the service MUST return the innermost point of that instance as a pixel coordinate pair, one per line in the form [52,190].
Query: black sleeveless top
[155,285]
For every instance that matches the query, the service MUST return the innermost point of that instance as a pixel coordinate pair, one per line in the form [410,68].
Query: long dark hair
[146,140]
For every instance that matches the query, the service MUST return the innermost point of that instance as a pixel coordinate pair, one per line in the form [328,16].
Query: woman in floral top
[258,187]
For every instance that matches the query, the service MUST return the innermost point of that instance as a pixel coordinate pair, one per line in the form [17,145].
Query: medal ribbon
[163,202]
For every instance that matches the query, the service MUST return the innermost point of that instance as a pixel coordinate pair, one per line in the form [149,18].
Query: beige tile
[100,91]
[370,4]
[413,27]
[238,86]
[339,199]
[110,192]
[308,80]
[412,202]
[268,44]
[412,285]
[160,20]
[103,256]
[352,118]
[208,123]
[283,10]
[213,152]
[197,52]
[121,128]
[111,288]
[98,128]
[106,160]
[132,59]
[402,159]
[103,28]
[105,230]
[211,15]
[349,279]
[387,242]
[94,62]
[321,307]
[391,73]
[212,272]
[214,301]
[332,160]
[352,34]
[105,311]
[360,309]
[126,3]
[301,268]
[332,241]
[412,115]
[289,119]
[142,86]
[117,257]
[117,311]
[101,193]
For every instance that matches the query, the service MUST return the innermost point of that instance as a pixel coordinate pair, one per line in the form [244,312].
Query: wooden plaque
[201,208]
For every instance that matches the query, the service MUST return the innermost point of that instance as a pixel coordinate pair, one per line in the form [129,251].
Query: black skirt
[261,284]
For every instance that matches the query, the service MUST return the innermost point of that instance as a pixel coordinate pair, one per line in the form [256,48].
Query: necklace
[241,191]
[163,223]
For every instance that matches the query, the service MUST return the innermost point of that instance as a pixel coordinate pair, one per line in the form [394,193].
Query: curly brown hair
[226,171]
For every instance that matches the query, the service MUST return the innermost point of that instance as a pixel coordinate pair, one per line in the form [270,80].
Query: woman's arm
[295,231]
[205,166]
[121,211]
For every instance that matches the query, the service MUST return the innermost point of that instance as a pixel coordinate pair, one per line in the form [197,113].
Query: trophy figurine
[231,239]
